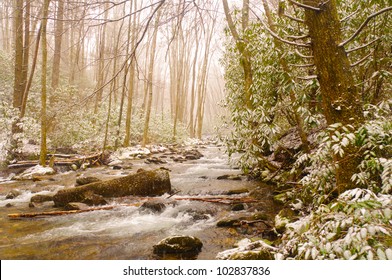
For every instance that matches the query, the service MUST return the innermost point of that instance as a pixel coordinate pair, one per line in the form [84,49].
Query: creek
[126,232]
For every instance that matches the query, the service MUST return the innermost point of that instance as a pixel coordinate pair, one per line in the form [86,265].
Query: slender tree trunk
[131,83]
[43,151]
[58,36]
[150,79]
[193,90]
[241,44]
[31,76]
[101,64]
[18,35]
[26,48]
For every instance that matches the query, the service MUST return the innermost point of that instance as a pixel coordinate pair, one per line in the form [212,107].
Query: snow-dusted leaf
[347,255]
[388,253]
[381,255]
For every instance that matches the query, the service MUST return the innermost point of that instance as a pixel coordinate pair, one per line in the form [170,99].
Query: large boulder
[179,244]
[145,183]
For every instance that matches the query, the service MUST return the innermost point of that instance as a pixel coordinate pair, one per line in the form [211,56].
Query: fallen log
[56,213]
[145,183]
[138,201]
[220,199]
[64,160]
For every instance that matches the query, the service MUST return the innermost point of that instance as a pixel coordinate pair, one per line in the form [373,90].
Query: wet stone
[76,206]
[238,207]
[13,194]
[40,198]
[178,244]
[230,177]
[154,206]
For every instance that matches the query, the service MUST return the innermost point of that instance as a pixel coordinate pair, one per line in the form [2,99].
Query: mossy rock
[40,198]
[263,254]
[281,198]
[178,244]
[284,217]
[143,183]
[238,207]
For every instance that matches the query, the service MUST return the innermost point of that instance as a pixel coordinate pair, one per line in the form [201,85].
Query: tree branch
[363,25]
[298,37]
[302,65]
[349,16]
[276,36]
[363,46]
[306,78]
[294,18]
[361,60]
[302,55]
[305,6]
[230,21]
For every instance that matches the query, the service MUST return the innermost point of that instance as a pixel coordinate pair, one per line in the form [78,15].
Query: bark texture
[340,97]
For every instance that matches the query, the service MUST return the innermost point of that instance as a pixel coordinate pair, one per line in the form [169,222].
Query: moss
[253,255]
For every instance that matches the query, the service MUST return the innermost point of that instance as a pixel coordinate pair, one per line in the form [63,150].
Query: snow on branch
[306,78]
[361,60]
[294,18]
[305,6]
[277,37]
[302,55]
[302,65]
[363,25]
[363,46]
[349,16]
[298,37]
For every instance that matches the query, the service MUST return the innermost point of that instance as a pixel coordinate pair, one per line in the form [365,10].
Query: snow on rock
[247,250]
[157,149]
[129,153]
[36,170]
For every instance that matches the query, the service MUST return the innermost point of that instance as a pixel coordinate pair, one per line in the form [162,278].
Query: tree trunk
[43,151]
[340,97]
[57,44]
[241,44]
[150,78]
[101,63]
[18,35]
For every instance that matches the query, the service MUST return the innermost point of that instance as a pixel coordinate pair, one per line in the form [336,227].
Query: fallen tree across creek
[138,201]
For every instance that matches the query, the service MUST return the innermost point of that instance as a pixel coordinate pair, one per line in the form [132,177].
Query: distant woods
[125,72]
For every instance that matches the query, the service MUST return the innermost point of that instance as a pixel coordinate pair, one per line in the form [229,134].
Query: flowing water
[124,232]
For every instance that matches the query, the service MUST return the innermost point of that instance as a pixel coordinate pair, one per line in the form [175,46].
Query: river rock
[40,198]
[86,180]
[178,244]
[247,250]
[236,191]
[34,171]
[13,194]
[144,183]
[154,206]
[238,207]
[229,177]
[93,199]
[76,206]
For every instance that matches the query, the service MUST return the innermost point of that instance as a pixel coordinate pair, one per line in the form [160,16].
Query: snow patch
[245,246]
[37,170]
[129,153]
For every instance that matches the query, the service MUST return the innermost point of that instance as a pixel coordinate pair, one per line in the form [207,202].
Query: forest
[272,119]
